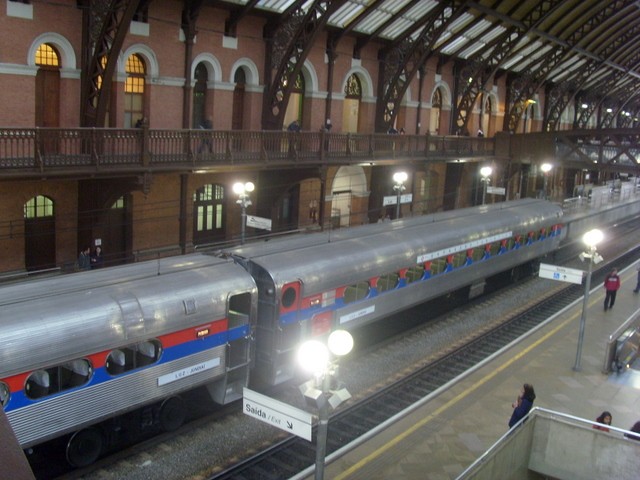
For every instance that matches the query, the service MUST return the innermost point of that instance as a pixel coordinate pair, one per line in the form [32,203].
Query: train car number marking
[187,372]
[357,314]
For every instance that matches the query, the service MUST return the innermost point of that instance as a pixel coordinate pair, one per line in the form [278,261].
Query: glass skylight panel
[453,46]
[373,21]
[346,14]
[511,61]
[396,28]
[277,5]
[472,49]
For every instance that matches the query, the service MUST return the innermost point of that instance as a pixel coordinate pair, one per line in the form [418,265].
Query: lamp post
[546,168]
[485,174]
[399,178]
[591,240]
[314,357]
[243,190]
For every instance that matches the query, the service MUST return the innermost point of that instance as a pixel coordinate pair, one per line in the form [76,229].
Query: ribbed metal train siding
[71,411]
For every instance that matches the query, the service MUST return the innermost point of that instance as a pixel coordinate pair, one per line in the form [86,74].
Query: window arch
[47,56]
[208,214]
[134,90]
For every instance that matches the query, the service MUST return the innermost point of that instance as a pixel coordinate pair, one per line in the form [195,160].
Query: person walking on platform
[611,285]
[603,419]
[637,289]
[523,404]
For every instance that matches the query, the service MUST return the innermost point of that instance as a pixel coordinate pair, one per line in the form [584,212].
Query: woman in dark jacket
[523,404]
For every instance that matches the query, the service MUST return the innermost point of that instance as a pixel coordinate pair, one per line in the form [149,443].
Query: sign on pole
[393,199]
[276,413]
[562,274]
[259,222]
[496,190]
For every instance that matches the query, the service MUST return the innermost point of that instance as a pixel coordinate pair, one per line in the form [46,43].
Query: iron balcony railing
[56,151]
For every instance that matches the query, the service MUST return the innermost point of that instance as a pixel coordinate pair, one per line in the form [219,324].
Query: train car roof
[51,329]
[78,281]
[375,252]
[304,240]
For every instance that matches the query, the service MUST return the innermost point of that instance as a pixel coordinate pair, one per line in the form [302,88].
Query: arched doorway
[39,234]
[208,214]
[487,123]
[134,91]
[199,114]
[351,111]
[348,190]
[237,116]
[436,111]
[296,101]
[47,86]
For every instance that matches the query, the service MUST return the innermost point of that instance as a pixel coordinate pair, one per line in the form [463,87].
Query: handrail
[56,151]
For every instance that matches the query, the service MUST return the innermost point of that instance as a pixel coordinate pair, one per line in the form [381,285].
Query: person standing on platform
[603,419]
[523,404]
[84,259]
[637,289]
[96,258]
[611,285]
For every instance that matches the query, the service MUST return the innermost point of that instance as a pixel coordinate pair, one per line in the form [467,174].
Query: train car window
[415,273]
[356,292]
[38,384]
[74,374]
[388,282]
[134,356]
[437,266]
[478,253]
[459,259]
[147,354]
[495,248]
[4,394]
[116,362]
[59,378]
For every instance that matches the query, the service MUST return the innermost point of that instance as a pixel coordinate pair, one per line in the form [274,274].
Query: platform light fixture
[485,178]
[399,178]
[324,390]
[591,239]
[243,190]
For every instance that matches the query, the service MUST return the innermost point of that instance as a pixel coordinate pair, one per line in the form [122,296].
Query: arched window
[134,88]
[47,56]
[208,214]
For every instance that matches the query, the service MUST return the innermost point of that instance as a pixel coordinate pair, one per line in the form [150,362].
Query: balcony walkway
[92,152]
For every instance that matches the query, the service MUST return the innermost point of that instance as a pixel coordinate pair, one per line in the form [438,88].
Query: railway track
[293,455]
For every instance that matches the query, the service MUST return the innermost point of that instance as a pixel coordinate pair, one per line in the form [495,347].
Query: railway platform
[439,440]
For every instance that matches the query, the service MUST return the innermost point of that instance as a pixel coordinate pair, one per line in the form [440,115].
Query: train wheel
[84,447]
[172,414]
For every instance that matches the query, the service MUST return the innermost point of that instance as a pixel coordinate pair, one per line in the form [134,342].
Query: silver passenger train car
[350,278]
[79,349]
[82,348]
